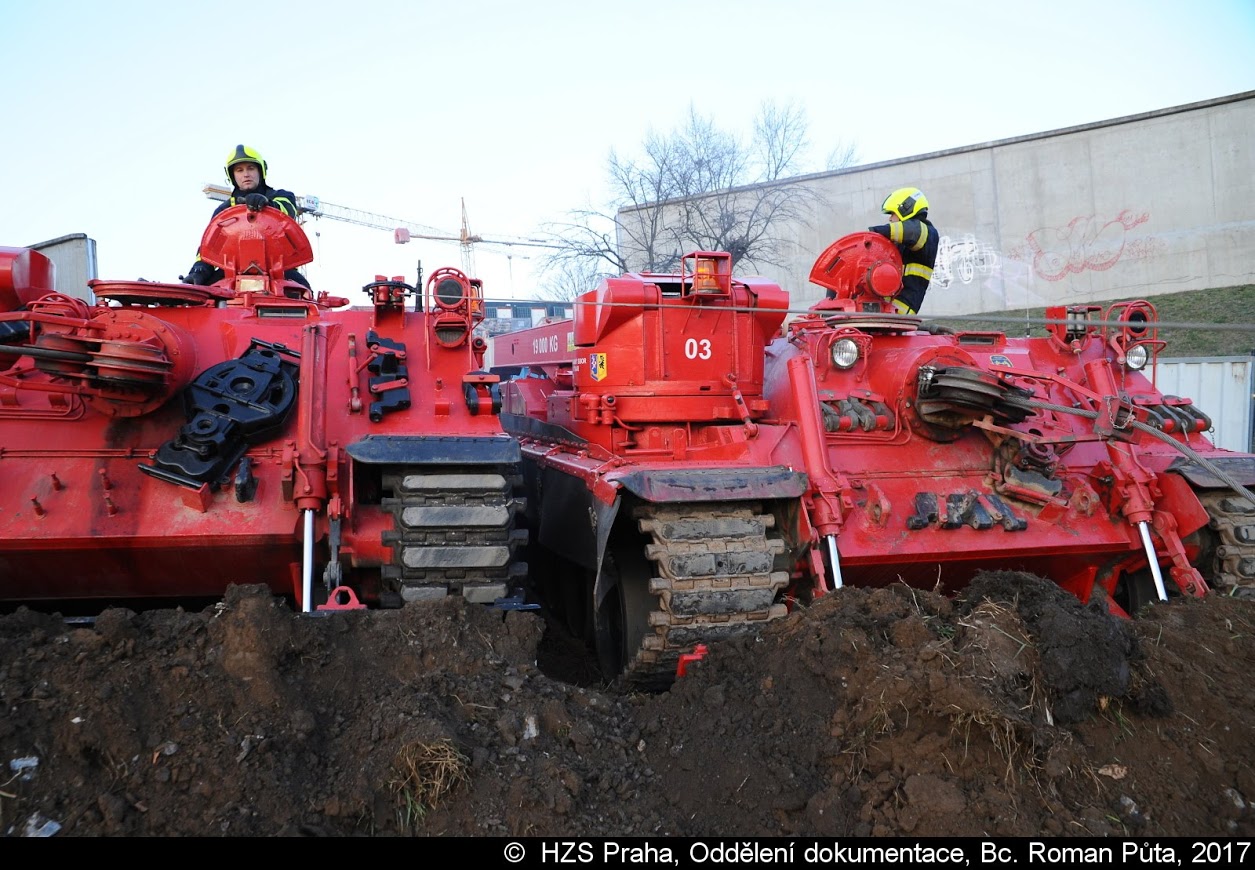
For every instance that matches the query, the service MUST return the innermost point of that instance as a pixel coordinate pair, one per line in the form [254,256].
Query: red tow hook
[698,653]
[341,598]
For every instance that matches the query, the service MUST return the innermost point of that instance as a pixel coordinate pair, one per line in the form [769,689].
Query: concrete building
[1147,204]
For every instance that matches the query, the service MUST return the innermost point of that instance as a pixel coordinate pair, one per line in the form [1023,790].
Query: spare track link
[1232,518]
[713,578]
[453,532]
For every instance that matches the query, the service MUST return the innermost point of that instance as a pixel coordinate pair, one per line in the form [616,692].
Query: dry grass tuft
[424,773]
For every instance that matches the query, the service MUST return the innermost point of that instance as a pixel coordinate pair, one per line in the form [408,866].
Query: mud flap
[1240,468]
[714,484]
[435,450]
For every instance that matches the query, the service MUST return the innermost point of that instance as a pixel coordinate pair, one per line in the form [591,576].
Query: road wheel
[622,621]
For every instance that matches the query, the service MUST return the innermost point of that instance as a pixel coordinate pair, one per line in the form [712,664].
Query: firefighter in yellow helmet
[917,241]
[246,170]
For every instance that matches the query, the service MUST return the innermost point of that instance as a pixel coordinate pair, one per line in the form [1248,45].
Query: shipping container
[1220,387]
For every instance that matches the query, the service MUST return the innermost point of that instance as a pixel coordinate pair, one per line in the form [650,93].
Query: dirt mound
[1011,711]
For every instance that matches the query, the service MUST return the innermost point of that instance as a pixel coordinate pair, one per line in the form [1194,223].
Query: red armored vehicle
[931,454]
[168,440]
[655,497]
[693,472]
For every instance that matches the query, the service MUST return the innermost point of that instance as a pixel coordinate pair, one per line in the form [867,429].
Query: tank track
[1230,568]
[713,578]
[453,533]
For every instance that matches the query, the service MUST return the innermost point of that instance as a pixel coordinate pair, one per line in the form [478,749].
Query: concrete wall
[1155,203]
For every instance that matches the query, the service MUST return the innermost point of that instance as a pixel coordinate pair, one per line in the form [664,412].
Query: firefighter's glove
[256,201]
[200,275]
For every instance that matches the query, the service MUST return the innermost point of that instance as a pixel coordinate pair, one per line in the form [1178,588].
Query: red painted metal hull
[93,394]
[943,454]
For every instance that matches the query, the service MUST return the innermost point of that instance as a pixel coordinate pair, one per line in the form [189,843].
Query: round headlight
[1136,357]
[449,292]
[844,353]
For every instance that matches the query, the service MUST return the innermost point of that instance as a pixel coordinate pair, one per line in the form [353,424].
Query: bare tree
[740,203]
[780,139]
[700,188]
[842,155]
[570,277]
[594,235]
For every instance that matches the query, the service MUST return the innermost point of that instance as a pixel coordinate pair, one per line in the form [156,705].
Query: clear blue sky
[118,113]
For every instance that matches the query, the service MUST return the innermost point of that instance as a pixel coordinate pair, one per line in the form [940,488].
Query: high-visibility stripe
[923,237]
[918,270]
[902,308]
[895,232]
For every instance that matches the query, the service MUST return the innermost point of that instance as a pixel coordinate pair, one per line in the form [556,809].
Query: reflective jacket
[917,242]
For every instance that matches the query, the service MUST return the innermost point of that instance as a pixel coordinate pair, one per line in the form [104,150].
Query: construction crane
[402,230]
[468,244]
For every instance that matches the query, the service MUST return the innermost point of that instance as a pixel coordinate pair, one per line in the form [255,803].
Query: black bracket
[387,366]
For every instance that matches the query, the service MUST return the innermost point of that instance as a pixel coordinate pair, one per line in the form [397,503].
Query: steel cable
[1184,449]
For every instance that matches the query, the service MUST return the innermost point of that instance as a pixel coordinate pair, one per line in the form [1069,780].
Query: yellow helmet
[244,154]
[906,203]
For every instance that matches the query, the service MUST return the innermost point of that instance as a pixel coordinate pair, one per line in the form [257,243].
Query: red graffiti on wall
[1085,243]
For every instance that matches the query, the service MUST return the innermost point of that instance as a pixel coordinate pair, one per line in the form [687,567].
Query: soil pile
[1011,711]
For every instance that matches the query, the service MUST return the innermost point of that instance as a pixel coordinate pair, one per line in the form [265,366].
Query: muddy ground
[1012,711]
